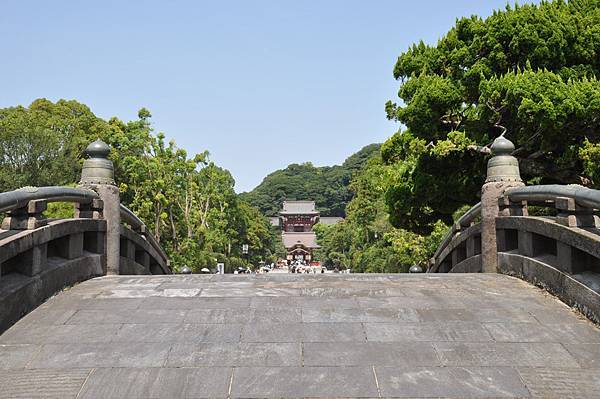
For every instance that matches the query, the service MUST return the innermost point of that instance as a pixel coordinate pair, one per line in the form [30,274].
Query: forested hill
[328,186]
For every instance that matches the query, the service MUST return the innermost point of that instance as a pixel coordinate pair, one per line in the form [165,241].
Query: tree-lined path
[195,336]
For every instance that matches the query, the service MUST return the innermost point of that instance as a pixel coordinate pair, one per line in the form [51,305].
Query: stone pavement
[284,335]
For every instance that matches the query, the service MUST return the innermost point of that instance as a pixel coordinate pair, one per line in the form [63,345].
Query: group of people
[307,269]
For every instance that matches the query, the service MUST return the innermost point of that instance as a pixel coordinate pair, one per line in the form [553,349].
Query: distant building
[296,221]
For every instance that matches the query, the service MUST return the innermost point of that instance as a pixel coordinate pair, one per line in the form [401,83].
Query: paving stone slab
[74,302]
[450,382]
[498,354]
[16,356]
[244,315]
[122,316]
[587,355]
[577,332]
[191,333]
[562,383]
[146,293]
[485,315]
[248,292]
[101,355]
[300,382]
[241,354]
[275,302]
[47,317]
[167,383]
[193,303]
[60,334]
[555,313]
[370,353]
[30,384]
[409,302]
[303,332]
[312,302]
[358,315]
[402,332]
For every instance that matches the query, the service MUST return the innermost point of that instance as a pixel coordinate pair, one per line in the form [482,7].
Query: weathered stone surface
[190,333]
[303,332]
[587,355]
[582,332]
[561,383]
[29,384]
[472,336]
[167,383]
[241,354]
[60,334]
[504,354]
[194,303]
[414,302]
[20,294]
[295,382]
[101,355]
[337,315]
[16,356]
[242,315]
[369,353]
[486,315]
[452,382]
[403,332]
[120,316]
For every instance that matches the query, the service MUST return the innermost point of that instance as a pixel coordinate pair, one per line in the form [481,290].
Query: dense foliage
[530,69]
[328,186]
[188,202]
[366,241]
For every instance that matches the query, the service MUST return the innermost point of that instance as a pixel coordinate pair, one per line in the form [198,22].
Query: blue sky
[259,84]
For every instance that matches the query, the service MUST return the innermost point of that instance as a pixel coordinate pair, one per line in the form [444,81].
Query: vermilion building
[296,221]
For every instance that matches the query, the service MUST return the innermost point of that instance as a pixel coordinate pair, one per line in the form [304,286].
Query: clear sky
[260,84]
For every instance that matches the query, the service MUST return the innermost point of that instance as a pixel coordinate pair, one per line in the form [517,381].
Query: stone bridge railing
[560,253]
[40,256]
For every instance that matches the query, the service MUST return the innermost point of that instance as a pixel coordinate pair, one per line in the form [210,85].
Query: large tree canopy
[530,70]
[187,201]
[41,144]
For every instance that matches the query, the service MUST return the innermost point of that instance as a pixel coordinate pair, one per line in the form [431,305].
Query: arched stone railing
[461,244]
[140,253]
[40,256]
[560,253]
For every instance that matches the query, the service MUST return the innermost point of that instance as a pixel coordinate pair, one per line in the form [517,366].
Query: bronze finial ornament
[503,166]
[97,168]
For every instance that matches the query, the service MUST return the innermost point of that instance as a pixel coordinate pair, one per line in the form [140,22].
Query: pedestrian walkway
[285,335]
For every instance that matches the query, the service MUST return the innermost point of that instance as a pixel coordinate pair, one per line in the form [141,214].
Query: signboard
[245,248]
[221,268]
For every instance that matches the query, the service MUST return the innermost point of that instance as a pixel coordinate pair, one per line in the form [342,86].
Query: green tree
[188,202]
[528,70]
[328,186]
[366,241]
[41,145]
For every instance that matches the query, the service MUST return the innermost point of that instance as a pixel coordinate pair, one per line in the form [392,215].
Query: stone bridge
[89,309]
[280,335]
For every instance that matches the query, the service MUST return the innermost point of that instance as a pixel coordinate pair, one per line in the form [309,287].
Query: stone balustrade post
[29,217]
[572,215]
[98,175]
[502,173]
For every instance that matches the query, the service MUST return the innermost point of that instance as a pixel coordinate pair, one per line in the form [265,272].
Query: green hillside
[326,185]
